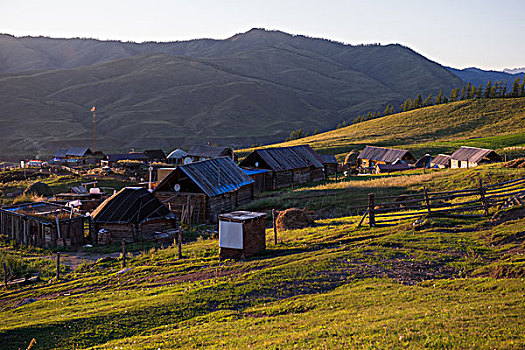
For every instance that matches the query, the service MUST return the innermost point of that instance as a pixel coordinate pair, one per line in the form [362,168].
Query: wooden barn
[441,161]
[330,164]
[132,214]
[155,155]
[286,166]
[42,224]
[199,152]
[370,156]
[207,188]
[468,157]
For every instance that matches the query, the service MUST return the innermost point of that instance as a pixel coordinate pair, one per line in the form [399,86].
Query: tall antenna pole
[94,124]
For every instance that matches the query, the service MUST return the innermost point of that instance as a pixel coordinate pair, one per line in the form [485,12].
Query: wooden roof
[213,176]
[328,158]
[209,151]
[285,158]
[475,155]
[383,154]
[441,159]
[155,154]
[78,151]
[131,205]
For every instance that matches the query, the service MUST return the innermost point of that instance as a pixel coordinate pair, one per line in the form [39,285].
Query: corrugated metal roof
[473,154]
[441,159]
[286,158]
[209,151]
[177,154]
[214,176]
[60,153]
[131,205]
[78,151]
[126,156]
[388,155]
[254,171]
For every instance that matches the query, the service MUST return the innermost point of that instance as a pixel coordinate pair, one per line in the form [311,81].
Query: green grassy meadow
[451,283]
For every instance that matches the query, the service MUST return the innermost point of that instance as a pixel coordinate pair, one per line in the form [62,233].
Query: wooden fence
[469,202]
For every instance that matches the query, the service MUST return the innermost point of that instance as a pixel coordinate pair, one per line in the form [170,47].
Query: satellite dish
[176,187]
[256,164]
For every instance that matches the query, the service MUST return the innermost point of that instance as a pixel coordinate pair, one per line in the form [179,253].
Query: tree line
[498,89]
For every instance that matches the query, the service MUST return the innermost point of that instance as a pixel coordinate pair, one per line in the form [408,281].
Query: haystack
[39,188]
[515,163]
[293,218]
[351,158]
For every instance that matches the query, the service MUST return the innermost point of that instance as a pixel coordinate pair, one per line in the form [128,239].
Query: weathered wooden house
[205,189]
[200,152]
[423,162]
[42,224]
[132,214]
[441,161]
[468,157]
[286,166]
[75,156]
[370,156]
[176,156]
[259,176]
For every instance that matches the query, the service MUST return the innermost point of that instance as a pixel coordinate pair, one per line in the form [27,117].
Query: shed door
[230,235]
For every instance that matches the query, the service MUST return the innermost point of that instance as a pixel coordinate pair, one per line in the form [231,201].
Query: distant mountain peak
[514,70]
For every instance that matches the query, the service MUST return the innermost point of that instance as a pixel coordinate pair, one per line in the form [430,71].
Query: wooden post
[274,221]
[427,200]
[179,241]
[482,198]
[5,275]
[371,215]
[58,266]
[123,253]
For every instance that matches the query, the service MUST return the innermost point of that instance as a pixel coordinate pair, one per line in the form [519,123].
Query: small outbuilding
[468,157]
[42,224]
[132,214]
[390,168]
[205,189]
[370,156]
[286,166]
[155,155]
[241,234]
[423,162]
[441,161]
[330,164]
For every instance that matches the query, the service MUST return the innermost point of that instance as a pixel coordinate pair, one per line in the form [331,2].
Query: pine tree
[406,106]
[515,88]
[387,110]
[428,101]
[472,93]
[522,87]
[463,91]
[468,94]
[488,89]
[479,92]
[439,98]
[454,94]
[445,99]
[417,102]
[504,91]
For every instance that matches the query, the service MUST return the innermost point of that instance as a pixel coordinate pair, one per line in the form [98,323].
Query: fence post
[426,199]
[123,253]
[5,275]
[179,240]
[482,198]
[58,266]
[371,215]
[274,221]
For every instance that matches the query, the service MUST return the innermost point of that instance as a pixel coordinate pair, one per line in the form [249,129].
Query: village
[206,185]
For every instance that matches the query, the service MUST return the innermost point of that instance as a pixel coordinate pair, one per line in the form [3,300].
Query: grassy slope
[494,123]
[330,286]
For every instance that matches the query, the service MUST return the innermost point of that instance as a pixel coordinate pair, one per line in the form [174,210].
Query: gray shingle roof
[78,151]
[441,159]
[177,154]
[473,154]
[285,158]
[209,151]
[388,155]
[214,176]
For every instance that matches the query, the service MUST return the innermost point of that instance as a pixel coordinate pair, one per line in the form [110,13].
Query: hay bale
[351,158]
[293,218]
[515,163]
[39,189]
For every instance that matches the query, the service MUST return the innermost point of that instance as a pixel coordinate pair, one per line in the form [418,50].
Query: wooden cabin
[370,156]
[441,161]
[199,152]
[155,155]
[286,166]
[205,189]
[42,224]
[132,214]
[468,157]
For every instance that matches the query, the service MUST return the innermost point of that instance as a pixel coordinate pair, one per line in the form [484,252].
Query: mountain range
[254,87]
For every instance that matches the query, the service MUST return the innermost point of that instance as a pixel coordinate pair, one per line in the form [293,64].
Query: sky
[456,33]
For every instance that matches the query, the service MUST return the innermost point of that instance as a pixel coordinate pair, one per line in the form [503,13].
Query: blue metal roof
[254,171]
